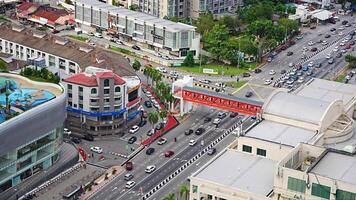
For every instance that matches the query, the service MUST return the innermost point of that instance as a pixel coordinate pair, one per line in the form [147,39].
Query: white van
[99,35]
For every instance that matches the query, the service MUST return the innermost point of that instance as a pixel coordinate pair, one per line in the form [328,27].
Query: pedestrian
[92,155]
[175,139]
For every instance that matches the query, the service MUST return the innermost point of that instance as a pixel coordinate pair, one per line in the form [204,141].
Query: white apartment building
[61,56]
[304,148]
[98,101]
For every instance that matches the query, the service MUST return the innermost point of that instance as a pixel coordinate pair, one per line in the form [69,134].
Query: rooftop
[149,19]
[337,166]
[91,80]
[280,133]
[329,91]
[240,170]
[71,50]
[296,107]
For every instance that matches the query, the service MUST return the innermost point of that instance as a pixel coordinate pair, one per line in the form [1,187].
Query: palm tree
[170,196]
[162,113]
[148,72]
[184,191]
[153,118]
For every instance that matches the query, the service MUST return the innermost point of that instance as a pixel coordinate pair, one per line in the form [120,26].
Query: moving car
[233,114]
[331,61]
[150,151]
[205,81]
[162,141]
[216,122]
[272,72]
[168,153]
[150,132]
[246,74]
[207,119]
[150,168]
[76,140]
[192,142]
[134,129]
[200,131]
[221,115]
[128,177]
[136,47]
[130,184]
[129,166]
[258,70]
[96,149]
[188,132]
[267,82]
[289,53]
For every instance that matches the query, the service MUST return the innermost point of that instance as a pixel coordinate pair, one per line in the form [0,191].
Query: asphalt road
[165,166]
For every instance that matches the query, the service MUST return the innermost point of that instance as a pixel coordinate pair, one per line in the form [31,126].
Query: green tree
[3,66]
[136,65]
[290,26]
[184,191]
[216,41]
[68,2]
[162,113]
[170,196]
[44,73]
[189,60]
[153,118]
[148,72]
[351,60]
[260,11]
[204,23]
[261,28]
[231,22]
[134,7]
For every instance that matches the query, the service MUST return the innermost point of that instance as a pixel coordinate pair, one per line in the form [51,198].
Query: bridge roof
[222,95]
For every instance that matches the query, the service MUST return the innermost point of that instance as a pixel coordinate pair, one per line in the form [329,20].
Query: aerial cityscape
[177,100]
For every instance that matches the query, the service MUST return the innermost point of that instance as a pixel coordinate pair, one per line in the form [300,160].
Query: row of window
[94,90]
[318,190]
[248,149]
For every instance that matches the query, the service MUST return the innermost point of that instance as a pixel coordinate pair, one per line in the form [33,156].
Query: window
[320,191]
[106,91]
[80,97]
[93,91]
[69,86]
[80,89]
[80,105]
[261,152]
[106,83]
[69,95]
[296,185]
[106,100]
[195,189]
[341,195]
[117,89]
[246,148]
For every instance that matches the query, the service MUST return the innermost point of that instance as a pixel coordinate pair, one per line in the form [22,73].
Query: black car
[314,49]
[344,22]
[233,114]
[318,65]
[258,71]
[289,53]
[327,36]
[148,104]
[333,29]
[76,140]
[142,123]
[199,131]
[207,119]
[188,132]
[132,140]
[136,47]
[211,151]
[248,94]
[150,151]
[338,55]
[283,71]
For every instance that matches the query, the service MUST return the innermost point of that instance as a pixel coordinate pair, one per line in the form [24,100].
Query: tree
[134,7]
[351,60]
[170,196]
[232,23]
[68,2]
[216,41]
[136,65]
[289,25]
[260,11]
[343,3]
[184,191]
[189,60]
[204,23]
[153,118]
[162,113]
[261,28]
[147,71]
[3,67]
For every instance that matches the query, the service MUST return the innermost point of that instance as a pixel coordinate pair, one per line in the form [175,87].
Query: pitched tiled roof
[51,16]
[90,80]
[118,80]
[26,5]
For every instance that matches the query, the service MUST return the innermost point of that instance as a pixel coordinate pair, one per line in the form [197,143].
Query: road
[166,166]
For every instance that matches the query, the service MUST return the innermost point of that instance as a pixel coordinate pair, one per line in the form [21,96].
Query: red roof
[50,16]
[91,80]
[26,5]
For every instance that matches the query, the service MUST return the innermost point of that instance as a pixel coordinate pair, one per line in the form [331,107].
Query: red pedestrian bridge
[219,100]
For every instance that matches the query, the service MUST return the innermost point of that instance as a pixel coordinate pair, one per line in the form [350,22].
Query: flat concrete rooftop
[241,171]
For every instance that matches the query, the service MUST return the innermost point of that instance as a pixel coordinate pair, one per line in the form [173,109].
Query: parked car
[150,151]
[129,166]
[148,104]
[289,53]
[136,47]
[248,94]
[258,70]
[168,153]
[221,115]
[96,149]
[150,169]
[161,141]
[200,131]
[76,140]
[188,132]
[314,49]
[150,132]
[211,151]
[205,81]
[134,129]
[327,36]
[132,140]
[331,61]
[233,114]
[216,121]
[283,71]
[128,177]
[246,74]
[159,126]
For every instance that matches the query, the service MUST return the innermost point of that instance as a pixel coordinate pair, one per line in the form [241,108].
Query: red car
[129,166]
[168,154]
[348,46]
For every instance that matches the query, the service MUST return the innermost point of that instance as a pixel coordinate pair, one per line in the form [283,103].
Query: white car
[272,72]
[164,121]
[217,121]
[336,49]
[150,168]
[325,43]
[290,82]
[311,43]
[290,65]
[162,141]
[341,28]
[66,131]
[96,149]
[341,33]
[342,44]
[205,81]
[328,56]
[310,64]
[192,142]
[99,35]
[134,129]
[267,82]
[343,51]
[130,184]
[301,80]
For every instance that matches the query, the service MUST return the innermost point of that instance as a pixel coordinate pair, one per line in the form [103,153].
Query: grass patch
[121,50]
[341,78]
[4,18]
[80,38]
[221,69]
[235,84]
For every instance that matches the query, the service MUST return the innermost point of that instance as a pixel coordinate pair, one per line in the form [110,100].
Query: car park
[168,153]
[248,94]
[192,142]
[132,140]
[128,177]
[161,141]
[211,151]
[188,132]
[134,129]
[150,169]
[200,131]
[96,149]
[130,184]
[150,151]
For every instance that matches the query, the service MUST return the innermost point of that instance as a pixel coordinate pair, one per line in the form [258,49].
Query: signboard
[209,71]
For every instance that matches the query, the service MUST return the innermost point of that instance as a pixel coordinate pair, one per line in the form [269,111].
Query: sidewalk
[101,181]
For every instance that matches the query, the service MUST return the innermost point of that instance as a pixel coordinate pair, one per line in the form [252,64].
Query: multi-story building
[98,101]
[304,148]
[216,7]
[31,139]
[61,56]
[138,28]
